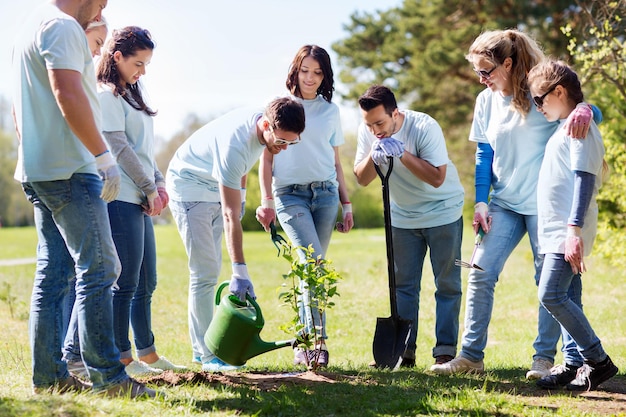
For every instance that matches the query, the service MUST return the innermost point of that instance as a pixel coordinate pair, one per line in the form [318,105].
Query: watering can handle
[259,316]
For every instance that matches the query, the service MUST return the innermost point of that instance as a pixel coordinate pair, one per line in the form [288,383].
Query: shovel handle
[389,237]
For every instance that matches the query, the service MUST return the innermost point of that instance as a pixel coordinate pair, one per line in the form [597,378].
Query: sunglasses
[485,74]
[539,99]
[280,141]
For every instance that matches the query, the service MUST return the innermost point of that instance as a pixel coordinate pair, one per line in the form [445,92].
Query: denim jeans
[554,285]
[507,230]
[409,248]
[133,235]
[308,213]
[74,239]
[200,225]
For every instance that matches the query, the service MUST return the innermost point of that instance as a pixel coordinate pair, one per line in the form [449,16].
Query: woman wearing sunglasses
[511,138]
[305,183]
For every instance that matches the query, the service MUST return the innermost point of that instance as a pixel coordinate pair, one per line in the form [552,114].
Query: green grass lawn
[348,387]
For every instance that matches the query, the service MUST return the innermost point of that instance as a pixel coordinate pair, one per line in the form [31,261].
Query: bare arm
[365,171]
[266,214]
[231,209]
[74,105]
[423,170]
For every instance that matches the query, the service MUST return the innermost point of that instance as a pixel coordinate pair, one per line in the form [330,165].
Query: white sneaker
[138,368]
[539,369]
[218,365]
[164,364]
[459,365]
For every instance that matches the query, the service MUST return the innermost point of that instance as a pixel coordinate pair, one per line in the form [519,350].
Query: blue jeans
[507,230]
[308,213]
[74,239]
[409,247]
[200,225]
[133,234]
[554,288]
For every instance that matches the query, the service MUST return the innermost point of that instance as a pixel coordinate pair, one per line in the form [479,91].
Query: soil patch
[263,381]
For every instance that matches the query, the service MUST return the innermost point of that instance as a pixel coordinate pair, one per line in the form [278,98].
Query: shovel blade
[390,340]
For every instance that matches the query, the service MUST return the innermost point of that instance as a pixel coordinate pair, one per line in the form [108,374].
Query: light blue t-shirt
[220,152]
[518,144]
[49,150]
[555,191]
[416,204]
[322,133]
[119,116]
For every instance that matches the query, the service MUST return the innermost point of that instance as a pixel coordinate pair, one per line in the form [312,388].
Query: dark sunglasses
[486,74]
[539,99]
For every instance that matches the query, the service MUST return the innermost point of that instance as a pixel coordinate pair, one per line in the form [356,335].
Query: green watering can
[233,335]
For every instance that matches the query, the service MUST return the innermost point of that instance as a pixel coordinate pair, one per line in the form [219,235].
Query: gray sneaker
[131,389]
[70,384]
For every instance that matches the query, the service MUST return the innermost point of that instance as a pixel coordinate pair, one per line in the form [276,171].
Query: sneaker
[441,359]
[139,368]
[407,363]
[539,369]
[318,356]
[78,370]
[218,365]
[164,364]
[560,376]
[197,359]
[131,389]
[70,384]
[300,356]
[590,375]
[459,365]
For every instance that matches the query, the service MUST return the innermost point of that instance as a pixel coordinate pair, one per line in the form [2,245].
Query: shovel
[392,333]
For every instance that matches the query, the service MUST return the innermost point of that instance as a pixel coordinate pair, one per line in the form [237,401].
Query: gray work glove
[240,283]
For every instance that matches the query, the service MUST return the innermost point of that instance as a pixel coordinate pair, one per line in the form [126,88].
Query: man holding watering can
[206,182]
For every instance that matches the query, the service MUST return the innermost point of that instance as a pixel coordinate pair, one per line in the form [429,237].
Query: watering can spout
[258,347]
[234,333]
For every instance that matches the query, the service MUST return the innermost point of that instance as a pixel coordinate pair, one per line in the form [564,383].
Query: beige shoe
[70,384]
[138,368]
[539,369]
[458,365]
[164,364]
[131,389]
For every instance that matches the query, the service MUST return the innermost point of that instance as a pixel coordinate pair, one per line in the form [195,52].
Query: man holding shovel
[426,202]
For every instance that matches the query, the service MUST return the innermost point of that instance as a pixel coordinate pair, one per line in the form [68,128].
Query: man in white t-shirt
[206,183]
[67,173]
[426,198]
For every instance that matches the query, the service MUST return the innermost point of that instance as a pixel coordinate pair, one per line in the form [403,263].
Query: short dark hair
[377,95]
[286,114]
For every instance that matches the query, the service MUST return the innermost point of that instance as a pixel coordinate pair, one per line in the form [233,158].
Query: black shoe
[590,375]
[407,363]
[560,376]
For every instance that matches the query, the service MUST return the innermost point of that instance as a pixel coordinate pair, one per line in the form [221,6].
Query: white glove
[481,217]
[110,174]
[378,155]
[392,147]
[240,283]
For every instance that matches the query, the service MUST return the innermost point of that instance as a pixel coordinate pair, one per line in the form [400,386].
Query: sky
[213,56]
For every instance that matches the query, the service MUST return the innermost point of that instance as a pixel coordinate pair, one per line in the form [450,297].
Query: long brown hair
[318,53]
[128,41]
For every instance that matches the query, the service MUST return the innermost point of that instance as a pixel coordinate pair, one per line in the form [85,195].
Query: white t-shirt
[414,203]
[313,159]
[220,152]
[49,150]
[119,116]
[555,191]
[518,144]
